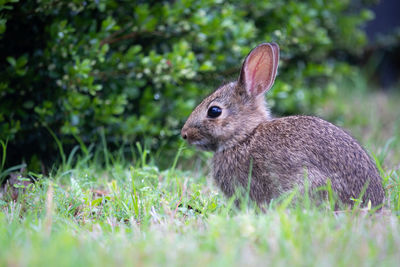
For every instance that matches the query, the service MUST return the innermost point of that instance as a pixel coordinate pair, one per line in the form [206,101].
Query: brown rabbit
[280,153]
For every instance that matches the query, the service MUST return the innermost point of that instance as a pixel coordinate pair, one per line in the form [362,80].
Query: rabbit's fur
[280,153]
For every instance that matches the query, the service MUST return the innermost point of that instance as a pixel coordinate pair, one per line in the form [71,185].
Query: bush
[134,70]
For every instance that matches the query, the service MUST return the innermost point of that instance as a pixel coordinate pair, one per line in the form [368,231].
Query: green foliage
[143,216]
[135,69]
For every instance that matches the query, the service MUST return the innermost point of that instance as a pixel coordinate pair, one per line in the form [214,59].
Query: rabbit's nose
[184,134]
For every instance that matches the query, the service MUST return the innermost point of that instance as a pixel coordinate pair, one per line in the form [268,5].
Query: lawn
[131,213]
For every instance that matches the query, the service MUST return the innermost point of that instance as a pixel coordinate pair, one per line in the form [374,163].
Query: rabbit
[279,153]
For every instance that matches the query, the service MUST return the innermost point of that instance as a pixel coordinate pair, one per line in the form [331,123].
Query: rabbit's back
[283,152]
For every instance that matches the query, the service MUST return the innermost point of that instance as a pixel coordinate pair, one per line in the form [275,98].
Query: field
[131,213]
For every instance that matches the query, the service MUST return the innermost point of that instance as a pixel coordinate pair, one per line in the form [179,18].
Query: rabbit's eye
[214,112]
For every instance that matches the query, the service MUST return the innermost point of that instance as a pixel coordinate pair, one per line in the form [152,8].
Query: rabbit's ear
[259,69]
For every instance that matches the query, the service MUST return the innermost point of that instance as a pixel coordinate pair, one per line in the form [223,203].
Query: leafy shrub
[134,70]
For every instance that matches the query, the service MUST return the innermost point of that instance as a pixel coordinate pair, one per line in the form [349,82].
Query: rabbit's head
[234,110]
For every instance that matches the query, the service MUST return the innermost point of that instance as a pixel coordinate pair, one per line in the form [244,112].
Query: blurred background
[81,76]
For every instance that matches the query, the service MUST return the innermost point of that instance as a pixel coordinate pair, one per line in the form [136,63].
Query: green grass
[134,214]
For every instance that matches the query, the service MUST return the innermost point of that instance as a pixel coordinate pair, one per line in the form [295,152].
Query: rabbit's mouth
[203,144]
[194,137]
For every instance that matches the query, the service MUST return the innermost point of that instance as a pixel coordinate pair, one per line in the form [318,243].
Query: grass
[128,215]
